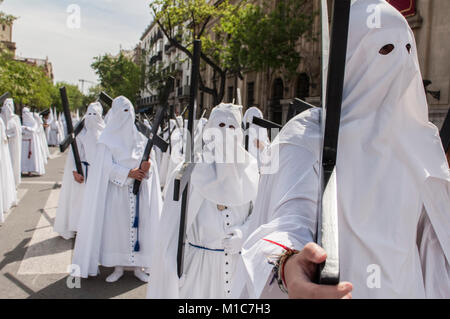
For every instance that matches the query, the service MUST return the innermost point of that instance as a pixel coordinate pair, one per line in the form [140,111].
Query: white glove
[232,244]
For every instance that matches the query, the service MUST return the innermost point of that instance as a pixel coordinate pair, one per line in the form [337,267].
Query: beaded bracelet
[279,268]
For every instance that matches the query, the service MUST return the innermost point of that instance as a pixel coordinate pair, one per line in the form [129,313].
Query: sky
[51,28]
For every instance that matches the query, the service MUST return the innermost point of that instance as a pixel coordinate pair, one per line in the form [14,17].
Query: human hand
[145,166]
[259,145]
[232,244]
[78,177]
[299,271]
[137,174]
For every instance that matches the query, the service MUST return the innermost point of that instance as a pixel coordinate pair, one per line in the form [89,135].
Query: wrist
[282,262]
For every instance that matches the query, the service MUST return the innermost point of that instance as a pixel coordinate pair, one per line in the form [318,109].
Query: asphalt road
[35,261]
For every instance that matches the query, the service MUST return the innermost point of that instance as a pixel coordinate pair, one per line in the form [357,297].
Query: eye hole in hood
[388,48]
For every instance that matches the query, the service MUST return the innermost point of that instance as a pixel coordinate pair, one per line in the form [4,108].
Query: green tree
[6,18]
[74,95]
[93,94]
[236,37]
[265,38]
[27,84]
[118,75]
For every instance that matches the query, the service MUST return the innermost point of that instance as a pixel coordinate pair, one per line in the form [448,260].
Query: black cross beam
[328,232]
[445,133]
[70,131]
[296,107]
[3,98]
[69,139]
[147,132]
[264,124]
[157,122]
[181,184]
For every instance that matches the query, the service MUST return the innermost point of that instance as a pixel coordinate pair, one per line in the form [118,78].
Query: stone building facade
[157,52]
[6,40]
[272,93]
[6,37]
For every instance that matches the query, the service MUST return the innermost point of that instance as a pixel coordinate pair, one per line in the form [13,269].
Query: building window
[230,94]
[302,89]
[250,94]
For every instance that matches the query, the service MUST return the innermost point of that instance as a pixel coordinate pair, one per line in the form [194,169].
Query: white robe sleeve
[11,133]
[284,215]
[435,267]
[119,175]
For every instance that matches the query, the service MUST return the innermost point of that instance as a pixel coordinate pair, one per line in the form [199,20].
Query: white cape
[14,134]
[32,159]
[7,183]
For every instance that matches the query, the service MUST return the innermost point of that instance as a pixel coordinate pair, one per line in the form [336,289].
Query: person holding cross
[393,183]
[74,184]
[114,226]
[223,186]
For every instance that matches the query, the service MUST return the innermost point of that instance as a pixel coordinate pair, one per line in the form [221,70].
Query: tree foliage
[118,75]
[246,36]
[74,95]
[264,37]
[27,84]
[6,18]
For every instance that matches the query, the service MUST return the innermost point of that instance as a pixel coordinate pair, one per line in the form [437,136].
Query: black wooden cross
[333,81]
[70,130]
[181,185]
[445,133]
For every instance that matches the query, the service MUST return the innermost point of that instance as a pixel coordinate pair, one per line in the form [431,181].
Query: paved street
[34,261]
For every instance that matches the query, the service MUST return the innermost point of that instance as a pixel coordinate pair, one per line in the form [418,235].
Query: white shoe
[116,275]
[141,275]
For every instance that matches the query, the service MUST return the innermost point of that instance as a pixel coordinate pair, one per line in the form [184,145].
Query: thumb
[314,253]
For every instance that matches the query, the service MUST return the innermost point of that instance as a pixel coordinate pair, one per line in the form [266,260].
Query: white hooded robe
[14,134]
[106,233]
[208,268]
[7,184]
[32,159]
[72,193]
[393,180]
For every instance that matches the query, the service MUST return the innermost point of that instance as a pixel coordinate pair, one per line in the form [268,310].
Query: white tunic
[209,268]
[72,193]
[14,134]
[208,273]
[32,159]
[71,197]
[106,233]
[53,134]
[43,140]
[7,184]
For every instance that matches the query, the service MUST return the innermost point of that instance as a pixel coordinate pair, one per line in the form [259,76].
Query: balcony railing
[156,58]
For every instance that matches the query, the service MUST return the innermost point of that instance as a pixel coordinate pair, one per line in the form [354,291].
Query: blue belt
[205,248]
